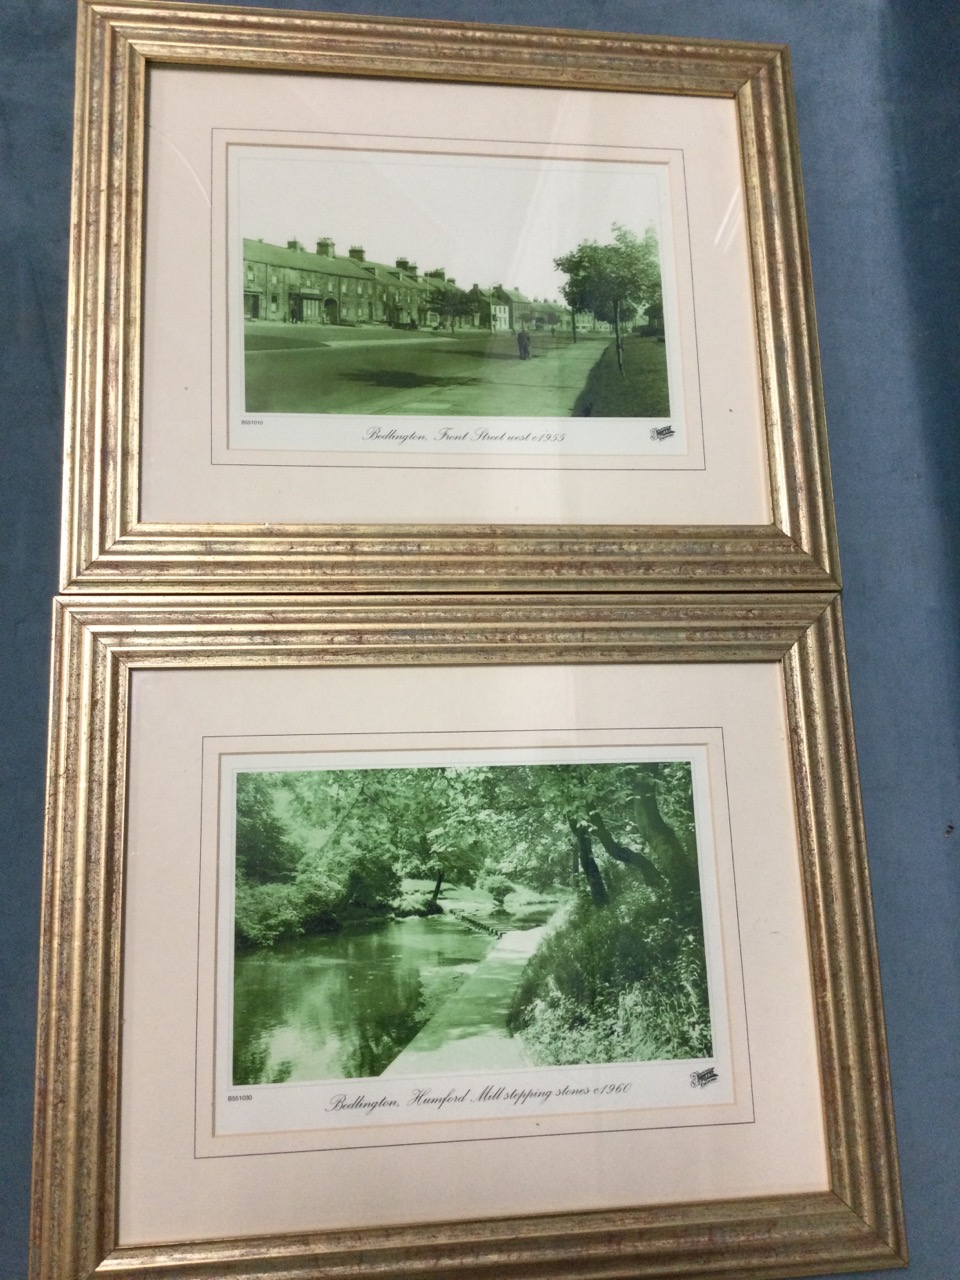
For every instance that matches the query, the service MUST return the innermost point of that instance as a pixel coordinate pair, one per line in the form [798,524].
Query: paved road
[261,335]
[436,375]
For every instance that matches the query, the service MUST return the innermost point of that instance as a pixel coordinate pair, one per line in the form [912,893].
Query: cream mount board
[267,392]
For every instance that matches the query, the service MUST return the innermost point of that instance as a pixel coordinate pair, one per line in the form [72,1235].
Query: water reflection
[344,1005]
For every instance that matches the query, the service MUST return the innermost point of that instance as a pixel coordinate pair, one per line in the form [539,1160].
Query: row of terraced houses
[294,285]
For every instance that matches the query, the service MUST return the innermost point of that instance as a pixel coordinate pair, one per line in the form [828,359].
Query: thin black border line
[443,467]
[375,1146]
[669,152]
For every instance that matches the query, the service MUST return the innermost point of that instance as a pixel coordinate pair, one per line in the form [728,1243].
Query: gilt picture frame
[458,465]
[141,687]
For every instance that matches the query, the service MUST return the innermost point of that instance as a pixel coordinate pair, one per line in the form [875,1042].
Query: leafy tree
[655,317]
[567,817]
[613,281]
[497,885]
[339,842]
[363,829]
[265,914]
[450,302]
[265,850]
[623,977]
[441,832]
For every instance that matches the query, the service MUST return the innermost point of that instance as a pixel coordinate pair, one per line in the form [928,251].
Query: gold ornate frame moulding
[102,643]
[106,544]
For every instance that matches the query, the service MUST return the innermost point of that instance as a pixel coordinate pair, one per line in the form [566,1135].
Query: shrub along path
[469,1031]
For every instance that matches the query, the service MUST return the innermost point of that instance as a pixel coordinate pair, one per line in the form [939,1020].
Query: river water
[345,1004]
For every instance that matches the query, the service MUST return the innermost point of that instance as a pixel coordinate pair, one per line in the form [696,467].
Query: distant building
[401,293]
[486,312]
[517,307]
[291,284]
[548,316]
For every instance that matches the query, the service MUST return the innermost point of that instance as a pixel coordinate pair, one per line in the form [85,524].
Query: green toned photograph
[374,301]
[450,919]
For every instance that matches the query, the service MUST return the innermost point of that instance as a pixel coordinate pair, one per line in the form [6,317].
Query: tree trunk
[436,887]
[679,868]
[573,321]
[588,864]
[651,873]
[616,329]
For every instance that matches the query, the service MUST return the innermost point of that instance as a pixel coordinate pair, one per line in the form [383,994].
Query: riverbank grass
[623,984]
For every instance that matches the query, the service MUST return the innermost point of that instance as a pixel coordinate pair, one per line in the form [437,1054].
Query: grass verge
[641,391]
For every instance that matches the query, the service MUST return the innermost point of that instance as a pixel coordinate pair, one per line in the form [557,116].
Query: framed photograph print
[393,305]
[497,937]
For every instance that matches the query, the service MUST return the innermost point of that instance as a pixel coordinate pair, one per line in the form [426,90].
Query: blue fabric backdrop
[876,84]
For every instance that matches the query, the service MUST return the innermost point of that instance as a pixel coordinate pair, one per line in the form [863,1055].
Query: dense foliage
[613,281]
[621,975]
[627,984]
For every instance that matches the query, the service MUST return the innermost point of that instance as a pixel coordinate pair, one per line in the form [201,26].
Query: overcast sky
[484,219]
